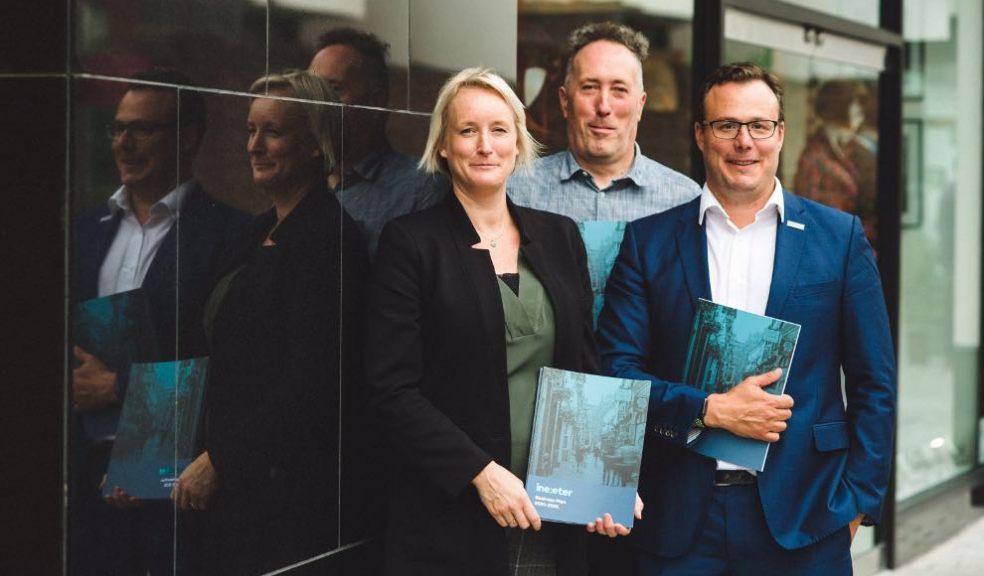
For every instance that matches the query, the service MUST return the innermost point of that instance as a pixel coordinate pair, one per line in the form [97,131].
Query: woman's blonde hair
[485,78]
[321,119]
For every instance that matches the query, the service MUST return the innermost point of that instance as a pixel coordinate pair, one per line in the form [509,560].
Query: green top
[529,346]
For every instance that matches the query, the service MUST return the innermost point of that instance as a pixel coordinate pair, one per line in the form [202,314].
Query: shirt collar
[171,203]
[569,168]
[708,201]
[368,168]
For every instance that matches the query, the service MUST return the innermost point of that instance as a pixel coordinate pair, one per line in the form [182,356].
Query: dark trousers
[108,541]
[735,541]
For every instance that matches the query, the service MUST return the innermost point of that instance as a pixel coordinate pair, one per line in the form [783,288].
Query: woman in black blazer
[269,477]
[442,348]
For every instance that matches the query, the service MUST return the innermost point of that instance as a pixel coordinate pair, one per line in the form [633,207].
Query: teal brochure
[118,330]
[586,446]
[726,346]
[158,429]
[602,241]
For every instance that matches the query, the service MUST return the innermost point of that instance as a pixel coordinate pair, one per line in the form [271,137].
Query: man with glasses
[748,244]
[376,183]
[160,232]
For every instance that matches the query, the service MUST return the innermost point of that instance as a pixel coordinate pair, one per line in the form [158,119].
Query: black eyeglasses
[138,130]
[729,129]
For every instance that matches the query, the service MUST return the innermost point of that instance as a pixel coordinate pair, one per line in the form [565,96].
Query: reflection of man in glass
[375,183]
[162,233]
[836,168]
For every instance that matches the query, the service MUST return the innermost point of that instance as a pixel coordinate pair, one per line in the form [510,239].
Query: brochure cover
[118,330]
[602,240]
[586,446]
[158,428]
[726,346]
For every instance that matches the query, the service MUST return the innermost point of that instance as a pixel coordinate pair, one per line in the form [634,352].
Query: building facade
[883,108]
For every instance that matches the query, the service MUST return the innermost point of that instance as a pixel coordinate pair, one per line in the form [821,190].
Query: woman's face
[480,141]
[282,152]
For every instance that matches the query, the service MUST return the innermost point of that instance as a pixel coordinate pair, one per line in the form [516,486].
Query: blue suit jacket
[832,462]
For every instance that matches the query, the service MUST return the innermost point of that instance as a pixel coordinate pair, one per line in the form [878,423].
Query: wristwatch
[699,422]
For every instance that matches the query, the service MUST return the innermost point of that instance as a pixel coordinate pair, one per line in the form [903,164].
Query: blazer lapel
[790,239]
[692,247]
[480,273]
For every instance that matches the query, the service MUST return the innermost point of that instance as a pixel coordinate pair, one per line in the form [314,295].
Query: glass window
[940,260]
[862,11]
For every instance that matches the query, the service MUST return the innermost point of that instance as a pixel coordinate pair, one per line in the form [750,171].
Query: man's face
[742,167]
[339,64]
[146,152]
[602,102]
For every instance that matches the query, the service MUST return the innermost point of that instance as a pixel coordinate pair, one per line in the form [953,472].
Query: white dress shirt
[133,248]
[740,261]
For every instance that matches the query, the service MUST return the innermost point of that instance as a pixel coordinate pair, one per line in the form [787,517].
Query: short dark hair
[191,104]
[635,41]
[833,100]
[739,72]
[371,49]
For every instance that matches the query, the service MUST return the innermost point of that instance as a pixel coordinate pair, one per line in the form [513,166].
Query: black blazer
[280,387]
[437,372]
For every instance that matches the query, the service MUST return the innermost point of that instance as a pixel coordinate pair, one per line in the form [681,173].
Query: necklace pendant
[494,243]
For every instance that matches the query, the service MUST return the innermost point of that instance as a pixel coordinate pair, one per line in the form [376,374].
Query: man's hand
[854,525]
[747,410]
[608,527]
[196,484]
[93,385]
[118,498]
[505,498]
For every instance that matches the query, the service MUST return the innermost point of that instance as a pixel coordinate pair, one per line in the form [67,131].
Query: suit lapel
[790,239]
[692,247]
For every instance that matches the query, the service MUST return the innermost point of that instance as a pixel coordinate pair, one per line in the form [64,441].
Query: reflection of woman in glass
[836,168]
[469,299]
[269,476]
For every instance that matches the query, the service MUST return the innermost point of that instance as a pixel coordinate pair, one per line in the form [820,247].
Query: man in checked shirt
[602,180]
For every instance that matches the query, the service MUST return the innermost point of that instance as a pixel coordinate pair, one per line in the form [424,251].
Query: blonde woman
[468,300]
[269,475]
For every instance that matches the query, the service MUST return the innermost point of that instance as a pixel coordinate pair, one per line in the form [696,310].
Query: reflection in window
[939,313]
[837,167]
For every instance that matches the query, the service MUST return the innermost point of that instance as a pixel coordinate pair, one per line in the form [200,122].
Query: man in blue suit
[747,243]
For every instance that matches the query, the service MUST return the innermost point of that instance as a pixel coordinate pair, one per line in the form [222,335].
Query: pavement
[961,555]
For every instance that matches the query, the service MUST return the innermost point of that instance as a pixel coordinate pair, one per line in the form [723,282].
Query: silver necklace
[493,242]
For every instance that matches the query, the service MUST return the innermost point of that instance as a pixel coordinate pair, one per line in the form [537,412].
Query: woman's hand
[505,498]
[196,484]
[607,527]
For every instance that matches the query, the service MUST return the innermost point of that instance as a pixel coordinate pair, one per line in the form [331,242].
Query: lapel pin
[796,225]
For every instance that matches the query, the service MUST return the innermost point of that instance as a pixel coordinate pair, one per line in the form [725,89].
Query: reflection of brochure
[158,428]
[602,241]
[118,330]
[726,346]
[586,447]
